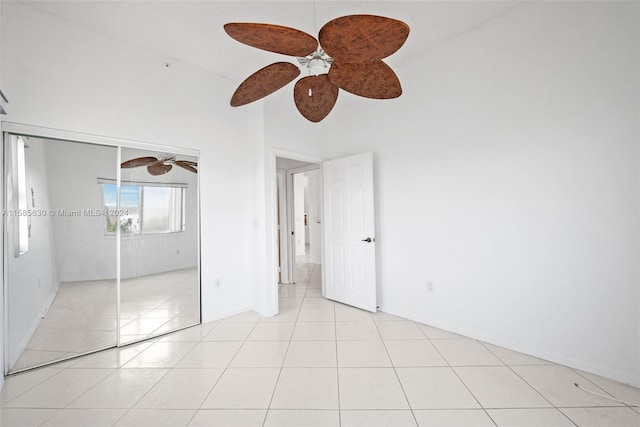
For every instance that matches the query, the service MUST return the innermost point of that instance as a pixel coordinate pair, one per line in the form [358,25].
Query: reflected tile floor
[82,317]
[318,363]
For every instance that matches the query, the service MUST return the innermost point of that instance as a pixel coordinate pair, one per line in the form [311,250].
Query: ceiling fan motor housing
[317,63]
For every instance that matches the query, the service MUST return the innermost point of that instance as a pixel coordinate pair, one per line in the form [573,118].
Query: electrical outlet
[430,286]
[218,283]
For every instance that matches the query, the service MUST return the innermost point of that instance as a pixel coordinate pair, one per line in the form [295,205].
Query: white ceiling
[192,31]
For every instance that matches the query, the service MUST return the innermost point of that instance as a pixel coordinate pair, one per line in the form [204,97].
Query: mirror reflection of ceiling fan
[348,56]
[160,166]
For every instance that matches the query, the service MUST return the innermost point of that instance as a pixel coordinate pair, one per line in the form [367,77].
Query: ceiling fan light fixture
[317,63]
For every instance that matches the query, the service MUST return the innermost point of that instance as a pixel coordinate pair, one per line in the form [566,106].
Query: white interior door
[350,265]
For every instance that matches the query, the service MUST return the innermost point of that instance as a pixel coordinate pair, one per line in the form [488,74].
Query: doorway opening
[299,208]
[345,271]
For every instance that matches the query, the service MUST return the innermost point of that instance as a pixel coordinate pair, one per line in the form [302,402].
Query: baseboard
[561,359]
[15,355]
[264,313]
[225,314]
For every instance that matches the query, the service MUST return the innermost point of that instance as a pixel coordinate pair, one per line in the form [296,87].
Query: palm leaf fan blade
[264,82]
[272,38]
[140,161]
[362,38]
[376,80]
[190,166]
[315,97]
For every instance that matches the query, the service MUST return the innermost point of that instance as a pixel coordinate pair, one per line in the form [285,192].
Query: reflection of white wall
[154,253]
[33,277]
[83,251]
[299,184]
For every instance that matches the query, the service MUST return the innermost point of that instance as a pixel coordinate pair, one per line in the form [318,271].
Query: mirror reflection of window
[163,208]
[22,242]
[146,208]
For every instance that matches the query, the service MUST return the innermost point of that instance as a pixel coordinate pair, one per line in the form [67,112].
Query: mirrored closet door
[60,290]
[70,209]
[159,280]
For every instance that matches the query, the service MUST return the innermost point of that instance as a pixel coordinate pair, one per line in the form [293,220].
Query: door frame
[271,223]
[281,221]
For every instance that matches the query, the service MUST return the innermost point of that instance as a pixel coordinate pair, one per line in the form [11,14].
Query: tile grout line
[553,406]
[275,386]
[526,382]
[223,370]
[458,376]
[121,369]
[576,371]
[395,371]
[128,410]
[169,369]
[335,331]
[4,405]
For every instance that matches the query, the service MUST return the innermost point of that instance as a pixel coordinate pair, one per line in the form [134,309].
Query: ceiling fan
[159,166]
[351,49]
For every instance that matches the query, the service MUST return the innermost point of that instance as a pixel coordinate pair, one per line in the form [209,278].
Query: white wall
[511,180]
[66,77]
[33,277]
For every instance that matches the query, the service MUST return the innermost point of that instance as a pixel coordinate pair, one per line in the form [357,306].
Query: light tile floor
[318,363]
[82,317]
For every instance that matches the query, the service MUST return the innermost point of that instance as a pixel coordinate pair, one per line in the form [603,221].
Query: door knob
[368,240]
